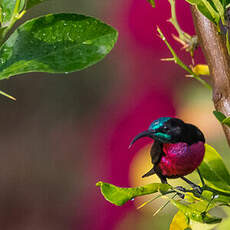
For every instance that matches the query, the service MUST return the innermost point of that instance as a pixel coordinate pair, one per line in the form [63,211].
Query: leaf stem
[1,17]
[207,188]
[14,17]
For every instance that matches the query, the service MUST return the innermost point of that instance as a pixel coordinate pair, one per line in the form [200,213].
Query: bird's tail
[149,173]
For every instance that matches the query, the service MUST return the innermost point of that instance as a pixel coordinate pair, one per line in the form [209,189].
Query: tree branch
[218,60]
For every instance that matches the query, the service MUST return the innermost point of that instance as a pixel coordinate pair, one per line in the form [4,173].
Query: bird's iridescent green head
[171,130]
[164,129]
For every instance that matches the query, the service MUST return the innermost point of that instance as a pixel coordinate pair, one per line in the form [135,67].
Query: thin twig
[178,61]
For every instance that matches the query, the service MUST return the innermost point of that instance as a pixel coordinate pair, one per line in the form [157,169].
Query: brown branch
[218,60]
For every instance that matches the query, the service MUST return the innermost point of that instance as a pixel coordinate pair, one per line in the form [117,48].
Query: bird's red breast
[181,159]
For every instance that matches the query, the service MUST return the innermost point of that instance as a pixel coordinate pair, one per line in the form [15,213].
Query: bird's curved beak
[146,133]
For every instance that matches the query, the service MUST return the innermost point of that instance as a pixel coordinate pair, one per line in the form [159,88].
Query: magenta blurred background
[66,132]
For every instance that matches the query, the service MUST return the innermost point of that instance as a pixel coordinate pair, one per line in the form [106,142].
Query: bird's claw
[180,188]
[197,191]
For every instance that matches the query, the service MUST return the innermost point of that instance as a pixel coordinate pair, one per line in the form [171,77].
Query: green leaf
[214,171]
[58,43]
[220,116]
[152,2]
[195,214]
[118,196]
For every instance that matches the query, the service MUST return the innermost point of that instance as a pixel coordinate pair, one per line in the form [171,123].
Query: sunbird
[178,149]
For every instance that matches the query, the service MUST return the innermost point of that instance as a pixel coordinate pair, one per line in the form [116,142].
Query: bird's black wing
[156,154]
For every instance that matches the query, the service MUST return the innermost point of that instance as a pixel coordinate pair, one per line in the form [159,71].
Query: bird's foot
[197,190]
[180,188]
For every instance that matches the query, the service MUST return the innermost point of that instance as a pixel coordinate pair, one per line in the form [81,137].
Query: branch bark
[218,60]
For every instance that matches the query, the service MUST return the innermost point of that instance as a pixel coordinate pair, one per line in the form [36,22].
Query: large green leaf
[118,196]
[214,171]
[194,214]
[56,44]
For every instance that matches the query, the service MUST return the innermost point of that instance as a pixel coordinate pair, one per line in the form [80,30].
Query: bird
[177,151]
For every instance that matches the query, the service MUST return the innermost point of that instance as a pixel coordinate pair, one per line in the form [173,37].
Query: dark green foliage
[56,44]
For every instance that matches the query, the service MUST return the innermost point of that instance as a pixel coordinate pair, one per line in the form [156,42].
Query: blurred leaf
[31,3]
[196,215]
[224,225]
[201,69]
[118,196]
[220,116]
[225,2]
[198,226]
[180,222]
[57,43]
[226,121]
[152,2]
[214,171]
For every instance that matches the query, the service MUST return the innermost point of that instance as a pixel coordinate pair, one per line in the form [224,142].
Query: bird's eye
[165,128]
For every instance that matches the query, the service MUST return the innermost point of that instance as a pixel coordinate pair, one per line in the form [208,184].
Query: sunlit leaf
[220,116]
[214,171]
[119,196]
[179,222]
[195,214]
[57,43]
